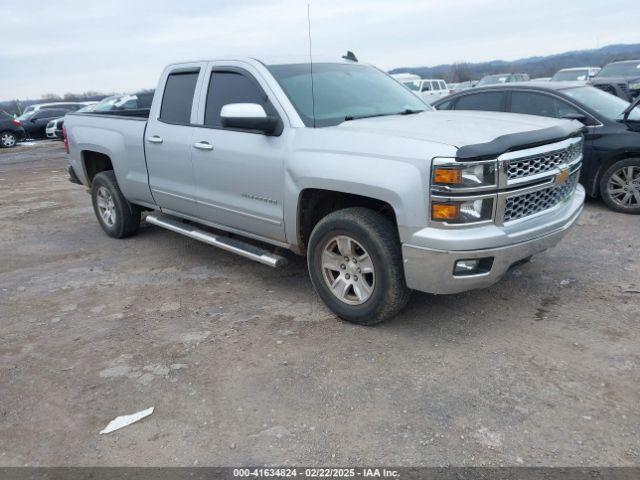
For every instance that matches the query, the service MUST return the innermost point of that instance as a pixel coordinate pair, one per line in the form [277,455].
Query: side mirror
[577,116]
[248,116]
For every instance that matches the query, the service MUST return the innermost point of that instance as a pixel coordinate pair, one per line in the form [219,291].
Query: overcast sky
[122,45]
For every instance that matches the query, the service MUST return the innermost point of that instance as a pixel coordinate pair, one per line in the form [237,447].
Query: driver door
[239,174]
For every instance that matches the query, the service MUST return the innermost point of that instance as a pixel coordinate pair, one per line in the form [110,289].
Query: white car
[429,89]
[575,74]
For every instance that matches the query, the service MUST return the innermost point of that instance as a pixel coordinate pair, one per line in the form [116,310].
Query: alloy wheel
[106,206]
[624,187]
[347,269]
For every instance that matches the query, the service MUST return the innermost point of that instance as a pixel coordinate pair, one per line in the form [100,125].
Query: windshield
[493,79]
[87,108]
[605,104]
[343,92]
[413,85]
[626,69]
[570,75]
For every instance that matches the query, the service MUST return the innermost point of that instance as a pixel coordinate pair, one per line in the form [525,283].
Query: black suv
[621,79]
[11,131]
[35,122]
[611,165]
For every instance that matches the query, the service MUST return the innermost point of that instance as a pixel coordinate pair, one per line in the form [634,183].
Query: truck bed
[118,135]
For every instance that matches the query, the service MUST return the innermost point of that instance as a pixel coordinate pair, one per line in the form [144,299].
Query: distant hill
[534,66]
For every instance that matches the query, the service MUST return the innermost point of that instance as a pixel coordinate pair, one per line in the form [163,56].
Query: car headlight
[634,86]
[461,211]
[451,176]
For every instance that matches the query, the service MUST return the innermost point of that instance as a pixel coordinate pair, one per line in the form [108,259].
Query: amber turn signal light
[452,176]
[445,211]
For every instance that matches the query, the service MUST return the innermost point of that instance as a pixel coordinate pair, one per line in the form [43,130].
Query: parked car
[575,74]
[380,192]
[11,131]
[54,127]
[67,106]
[35,122]
[620,78]
[129,102]
[611,166]
[460,87]
[499,78]
[429,89]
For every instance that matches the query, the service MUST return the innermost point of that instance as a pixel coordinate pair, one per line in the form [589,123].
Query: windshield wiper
[358,117]
[407,111]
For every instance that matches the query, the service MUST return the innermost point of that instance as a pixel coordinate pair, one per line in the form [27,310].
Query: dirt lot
[244,365]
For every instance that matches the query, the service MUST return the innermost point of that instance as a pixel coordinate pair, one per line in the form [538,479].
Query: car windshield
[570,75]
[343,92]
[413,85]
[605,104]
[626,69]
[493,79]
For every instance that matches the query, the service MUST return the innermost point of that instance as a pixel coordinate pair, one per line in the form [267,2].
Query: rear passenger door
[168,141]
[240,174]
[484,101]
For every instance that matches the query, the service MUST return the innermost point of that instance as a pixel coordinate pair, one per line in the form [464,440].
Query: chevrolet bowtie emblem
[562,176]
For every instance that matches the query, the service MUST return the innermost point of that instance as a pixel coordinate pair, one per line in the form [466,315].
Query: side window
[426,86]
[443,86]
[539,104]
[445,105]
[488,101]
[434,85]
[231,87]
[178,97]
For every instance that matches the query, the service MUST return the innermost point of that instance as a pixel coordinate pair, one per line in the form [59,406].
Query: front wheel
[7,139]
[620,186]
[355,264]
[117,217]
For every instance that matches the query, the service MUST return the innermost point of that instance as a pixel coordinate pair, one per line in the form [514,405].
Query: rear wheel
[117,217]
[620,186]
[7,139]
[355,264]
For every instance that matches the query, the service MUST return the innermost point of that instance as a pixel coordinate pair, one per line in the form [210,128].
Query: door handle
[203,146]
[154,139]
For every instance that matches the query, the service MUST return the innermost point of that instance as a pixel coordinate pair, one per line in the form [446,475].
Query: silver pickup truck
[339,162]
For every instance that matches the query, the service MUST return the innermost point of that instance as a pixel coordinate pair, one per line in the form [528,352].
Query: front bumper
[432,269]
[53,133]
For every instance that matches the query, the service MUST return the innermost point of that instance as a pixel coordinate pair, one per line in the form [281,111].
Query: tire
[7,139]
[620,186]
[372,240]
[117,217]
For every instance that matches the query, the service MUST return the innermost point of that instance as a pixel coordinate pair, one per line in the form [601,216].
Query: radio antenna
[313,95]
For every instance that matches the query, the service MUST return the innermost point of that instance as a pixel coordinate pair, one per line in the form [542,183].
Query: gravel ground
[244,365]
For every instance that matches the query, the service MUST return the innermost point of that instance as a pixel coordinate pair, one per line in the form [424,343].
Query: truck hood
[455,128]
[474,133]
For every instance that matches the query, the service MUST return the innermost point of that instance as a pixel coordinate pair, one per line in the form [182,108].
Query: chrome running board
[232,245]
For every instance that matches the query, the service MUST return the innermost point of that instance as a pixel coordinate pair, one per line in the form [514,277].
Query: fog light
[474,266]
[466,267]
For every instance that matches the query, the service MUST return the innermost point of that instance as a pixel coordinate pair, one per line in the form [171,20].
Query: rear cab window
[177,99]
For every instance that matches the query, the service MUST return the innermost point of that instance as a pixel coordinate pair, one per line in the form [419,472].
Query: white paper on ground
[124,420]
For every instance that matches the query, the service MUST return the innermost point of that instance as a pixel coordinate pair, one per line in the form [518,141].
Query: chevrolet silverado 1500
[338,162]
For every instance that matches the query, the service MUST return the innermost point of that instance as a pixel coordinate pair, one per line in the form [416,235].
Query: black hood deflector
[519,141]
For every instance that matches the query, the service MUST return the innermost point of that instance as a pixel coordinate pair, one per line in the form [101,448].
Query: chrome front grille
[520,206]
[525,167]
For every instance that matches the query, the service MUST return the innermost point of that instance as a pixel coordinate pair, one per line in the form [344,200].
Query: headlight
[452,176]
[634,86]
[461,211]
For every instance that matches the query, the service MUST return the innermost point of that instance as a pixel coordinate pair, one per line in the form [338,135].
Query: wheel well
[315,204]
[604,166]
[94,163]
